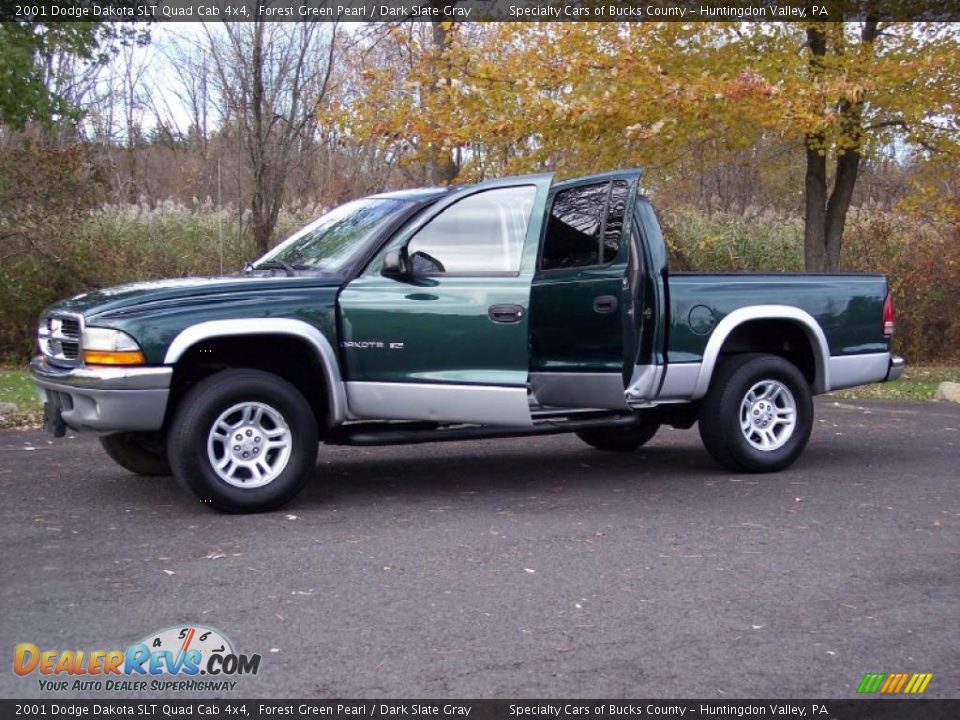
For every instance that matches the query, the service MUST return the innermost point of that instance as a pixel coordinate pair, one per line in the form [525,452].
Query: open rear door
[582,304]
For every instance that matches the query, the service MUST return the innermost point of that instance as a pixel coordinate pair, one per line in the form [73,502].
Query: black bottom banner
[867,709]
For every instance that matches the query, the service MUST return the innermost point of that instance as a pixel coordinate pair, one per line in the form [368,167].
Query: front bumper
[896,367]
[104,399]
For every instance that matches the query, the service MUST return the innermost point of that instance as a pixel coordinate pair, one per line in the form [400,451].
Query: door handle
[505,313]
[604,303]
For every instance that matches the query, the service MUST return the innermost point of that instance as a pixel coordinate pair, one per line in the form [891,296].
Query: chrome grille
[60,336]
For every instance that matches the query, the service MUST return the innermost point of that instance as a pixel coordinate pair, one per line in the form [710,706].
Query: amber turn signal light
[113,357]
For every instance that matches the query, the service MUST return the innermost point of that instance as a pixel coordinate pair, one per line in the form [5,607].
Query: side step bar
[371,434]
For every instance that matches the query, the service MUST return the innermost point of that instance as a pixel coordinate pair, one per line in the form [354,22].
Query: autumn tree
[848,91]
[397,85]
[578,97]
[443,164]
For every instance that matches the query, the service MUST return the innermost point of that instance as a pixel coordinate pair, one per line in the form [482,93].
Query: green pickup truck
[508,308]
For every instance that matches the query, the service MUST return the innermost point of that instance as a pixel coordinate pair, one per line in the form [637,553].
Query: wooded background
[776,147]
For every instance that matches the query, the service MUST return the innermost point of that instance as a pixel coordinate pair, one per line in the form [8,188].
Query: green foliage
[27,48]
[752,241]
[17,387]
[24,94]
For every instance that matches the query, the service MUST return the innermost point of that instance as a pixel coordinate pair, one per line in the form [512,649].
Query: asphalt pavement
[514,568]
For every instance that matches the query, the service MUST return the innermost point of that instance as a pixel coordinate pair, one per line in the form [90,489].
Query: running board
[371,434]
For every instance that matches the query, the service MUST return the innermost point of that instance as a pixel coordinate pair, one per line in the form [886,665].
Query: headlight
[103,346]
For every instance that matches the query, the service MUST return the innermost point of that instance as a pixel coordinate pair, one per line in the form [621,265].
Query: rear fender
[803,319]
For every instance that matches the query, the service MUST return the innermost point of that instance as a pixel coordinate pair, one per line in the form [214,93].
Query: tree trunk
[815,186]
[814,226]
[270,80]
[825,218]
[848,166]
[443,168]
[262,227]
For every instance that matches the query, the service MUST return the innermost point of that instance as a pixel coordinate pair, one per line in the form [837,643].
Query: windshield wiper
[277,265]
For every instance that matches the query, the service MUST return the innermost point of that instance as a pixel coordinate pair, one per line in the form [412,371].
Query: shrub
[115,244]
[50,252]
[920,257]
[45,193]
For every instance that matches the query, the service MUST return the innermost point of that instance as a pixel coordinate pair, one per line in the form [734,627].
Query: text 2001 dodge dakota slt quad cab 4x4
[507,308]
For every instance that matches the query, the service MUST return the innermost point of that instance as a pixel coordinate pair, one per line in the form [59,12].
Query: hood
[134,298]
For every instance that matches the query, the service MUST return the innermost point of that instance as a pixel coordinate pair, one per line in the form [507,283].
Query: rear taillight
[889,319]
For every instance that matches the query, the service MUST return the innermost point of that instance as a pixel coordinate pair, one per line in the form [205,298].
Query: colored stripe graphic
[922,683]
[870,683]
[895,683]
[889,683]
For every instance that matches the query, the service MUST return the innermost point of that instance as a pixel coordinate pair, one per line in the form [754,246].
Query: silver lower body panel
[474,404]
[509,406]
[683,380]
[105,400]
[852,370]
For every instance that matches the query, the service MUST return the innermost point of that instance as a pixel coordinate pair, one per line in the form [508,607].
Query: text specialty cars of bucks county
[508,308]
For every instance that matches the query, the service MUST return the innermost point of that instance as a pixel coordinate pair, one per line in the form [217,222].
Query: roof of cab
[432,193]
[415,194]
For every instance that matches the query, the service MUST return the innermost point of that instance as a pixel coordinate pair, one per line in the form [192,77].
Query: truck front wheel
[758,413]
[243,440]
[141,453]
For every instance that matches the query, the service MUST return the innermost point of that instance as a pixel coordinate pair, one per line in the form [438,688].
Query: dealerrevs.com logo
[183,658]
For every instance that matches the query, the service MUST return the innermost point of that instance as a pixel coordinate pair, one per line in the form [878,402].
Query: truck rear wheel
[620,439]
[758,413]
[142,453]
[244,441]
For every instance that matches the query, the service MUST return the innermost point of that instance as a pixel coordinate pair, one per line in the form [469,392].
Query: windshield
[332,240]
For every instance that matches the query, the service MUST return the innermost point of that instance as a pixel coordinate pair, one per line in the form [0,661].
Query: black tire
[720,414]
[142,453]
[620,439]
[199,411]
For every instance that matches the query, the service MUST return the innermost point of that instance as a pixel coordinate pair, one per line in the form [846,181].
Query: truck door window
[573,228]
[613,229]
[481,234]
[585,226]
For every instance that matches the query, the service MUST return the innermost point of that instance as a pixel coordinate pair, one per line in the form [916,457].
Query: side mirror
[395,263]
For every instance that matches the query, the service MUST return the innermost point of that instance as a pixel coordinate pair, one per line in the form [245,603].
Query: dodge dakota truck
[508,308]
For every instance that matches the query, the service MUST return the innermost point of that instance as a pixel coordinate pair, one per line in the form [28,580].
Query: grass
[917,383]
[17,387]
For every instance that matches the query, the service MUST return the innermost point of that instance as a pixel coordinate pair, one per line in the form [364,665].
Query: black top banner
[480,10]
[554,709]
